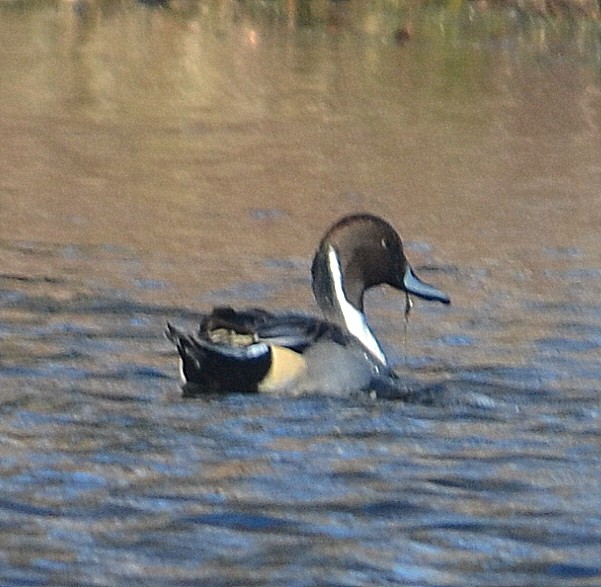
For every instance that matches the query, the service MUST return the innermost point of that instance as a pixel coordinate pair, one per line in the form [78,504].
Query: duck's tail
[208,367]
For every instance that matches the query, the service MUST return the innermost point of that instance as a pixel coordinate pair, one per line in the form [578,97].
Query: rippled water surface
[156,161]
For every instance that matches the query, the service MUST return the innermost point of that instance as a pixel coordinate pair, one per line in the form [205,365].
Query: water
[155,162]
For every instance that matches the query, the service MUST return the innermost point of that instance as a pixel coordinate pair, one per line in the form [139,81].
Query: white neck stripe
[354,320]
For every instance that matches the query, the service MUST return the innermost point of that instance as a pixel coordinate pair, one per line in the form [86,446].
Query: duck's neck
[331,295]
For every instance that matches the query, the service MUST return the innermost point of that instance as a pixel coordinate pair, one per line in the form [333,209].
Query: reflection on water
[157,160]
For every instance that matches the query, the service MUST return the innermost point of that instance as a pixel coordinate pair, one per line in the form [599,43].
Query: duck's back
[297,332]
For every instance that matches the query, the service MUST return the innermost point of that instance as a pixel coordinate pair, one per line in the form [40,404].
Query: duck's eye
[385,244]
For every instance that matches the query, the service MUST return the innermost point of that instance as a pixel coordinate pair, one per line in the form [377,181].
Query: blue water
[109,477]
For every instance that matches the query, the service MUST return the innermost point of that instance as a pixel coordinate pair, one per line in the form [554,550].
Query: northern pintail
[259,351]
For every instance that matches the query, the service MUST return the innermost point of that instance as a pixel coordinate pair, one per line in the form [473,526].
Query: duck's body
[255,350]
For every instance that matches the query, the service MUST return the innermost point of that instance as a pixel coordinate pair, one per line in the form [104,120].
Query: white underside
[354,320]
[182,377]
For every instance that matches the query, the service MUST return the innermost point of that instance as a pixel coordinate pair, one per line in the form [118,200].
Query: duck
[258,351]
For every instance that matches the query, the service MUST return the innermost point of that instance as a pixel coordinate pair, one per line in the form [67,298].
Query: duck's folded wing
[226,318]
[293,331]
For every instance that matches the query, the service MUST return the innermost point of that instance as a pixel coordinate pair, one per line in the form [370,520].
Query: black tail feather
[213,368]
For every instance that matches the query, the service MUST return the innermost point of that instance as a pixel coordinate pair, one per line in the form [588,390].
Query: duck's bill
[414,285]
